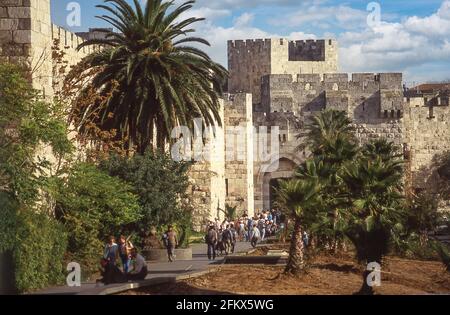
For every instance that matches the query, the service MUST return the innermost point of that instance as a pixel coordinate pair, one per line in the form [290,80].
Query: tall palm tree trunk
[296,254]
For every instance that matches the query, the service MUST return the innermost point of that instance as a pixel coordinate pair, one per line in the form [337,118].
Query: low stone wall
[160,255]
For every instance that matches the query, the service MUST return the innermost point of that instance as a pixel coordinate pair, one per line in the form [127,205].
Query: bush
[27,124]
[39,251]
[160,183]
[92,205]
[8,221]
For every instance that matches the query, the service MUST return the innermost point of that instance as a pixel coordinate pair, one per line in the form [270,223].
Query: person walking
[171,241]
[211,241]
[249,229]
[234,236]
[262,227]
[255,235]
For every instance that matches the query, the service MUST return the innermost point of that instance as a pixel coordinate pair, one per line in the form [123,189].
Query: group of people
[133,264]
[221,237]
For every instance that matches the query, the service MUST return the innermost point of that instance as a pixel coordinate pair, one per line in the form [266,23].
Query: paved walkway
[161,271]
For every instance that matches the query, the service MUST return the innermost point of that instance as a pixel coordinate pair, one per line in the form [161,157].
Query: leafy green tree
[27,125]
[149,74]
[301,199]
[161,185]
[92,205]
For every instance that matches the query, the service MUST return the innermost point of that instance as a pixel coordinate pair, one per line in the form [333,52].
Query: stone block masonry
[27,37]
[250,60]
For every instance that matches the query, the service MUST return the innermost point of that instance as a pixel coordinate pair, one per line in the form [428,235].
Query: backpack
[211,237]
[227,235]
[261,224]
[165,240]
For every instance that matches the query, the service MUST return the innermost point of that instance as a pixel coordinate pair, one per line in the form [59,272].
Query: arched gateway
[267,179]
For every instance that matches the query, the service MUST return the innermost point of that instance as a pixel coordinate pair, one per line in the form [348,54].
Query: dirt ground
[327,275]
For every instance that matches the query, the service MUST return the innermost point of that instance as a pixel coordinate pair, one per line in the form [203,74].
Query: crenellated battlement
[249,43]
[250,60]
[310,92]
[69,40]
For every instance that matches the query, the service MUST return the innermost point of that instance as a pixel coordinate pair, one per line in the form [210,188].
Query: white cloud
[323,17]
[403,46]
[242,28]
[244,20]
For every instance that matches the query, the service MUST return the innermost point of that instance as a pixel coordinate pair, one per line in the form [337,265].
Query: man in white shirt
[255,236]
[138,269]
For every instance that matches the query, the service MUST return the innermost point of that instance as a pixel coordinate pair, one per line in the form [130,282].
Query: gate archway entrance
[270,180]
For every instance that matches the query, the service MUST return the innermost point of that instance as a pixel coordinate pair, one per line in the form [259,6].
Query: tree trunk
[296,254]
[365,288]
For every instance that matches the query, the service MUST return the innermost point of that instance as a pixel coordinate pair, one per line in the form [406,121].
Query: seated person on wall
[111,273]
[138,269]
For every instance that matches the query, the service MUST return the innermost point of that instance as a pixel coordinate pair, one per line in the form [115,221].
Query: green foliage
[39,252]
[160,183]
[423,215]
[26,122]
[375,204]
[443,252]
[330,138]
[8,221]
[149,74]
[301,198]
[92,205]
[230,212]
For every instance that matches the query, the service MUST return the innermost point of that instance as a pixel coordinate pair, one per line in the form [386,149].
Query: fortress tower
[26,38]
[250,60]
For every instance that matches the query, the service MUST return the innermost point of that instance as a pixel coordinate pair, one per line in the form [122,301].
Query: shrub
[160,183]
[8,221]
[39,252]
[92,205]
[27,123]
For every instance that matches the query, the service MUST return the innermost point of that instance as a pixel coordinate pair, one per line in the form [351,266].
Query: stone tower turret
[250,60]
[26,38]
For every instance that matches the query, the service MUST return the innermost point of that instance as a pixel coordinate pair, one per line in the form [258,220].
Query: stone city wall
[239,152]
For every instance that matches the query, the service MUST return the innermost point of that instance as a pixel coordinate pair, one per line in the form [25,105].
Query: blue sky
[413,36]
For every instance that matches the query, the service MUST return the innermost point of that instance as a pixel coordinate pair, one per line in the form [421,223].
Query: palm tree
[329,136]
[327,133]
[149,74]
[301,199]
[374,208]
[381,148]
